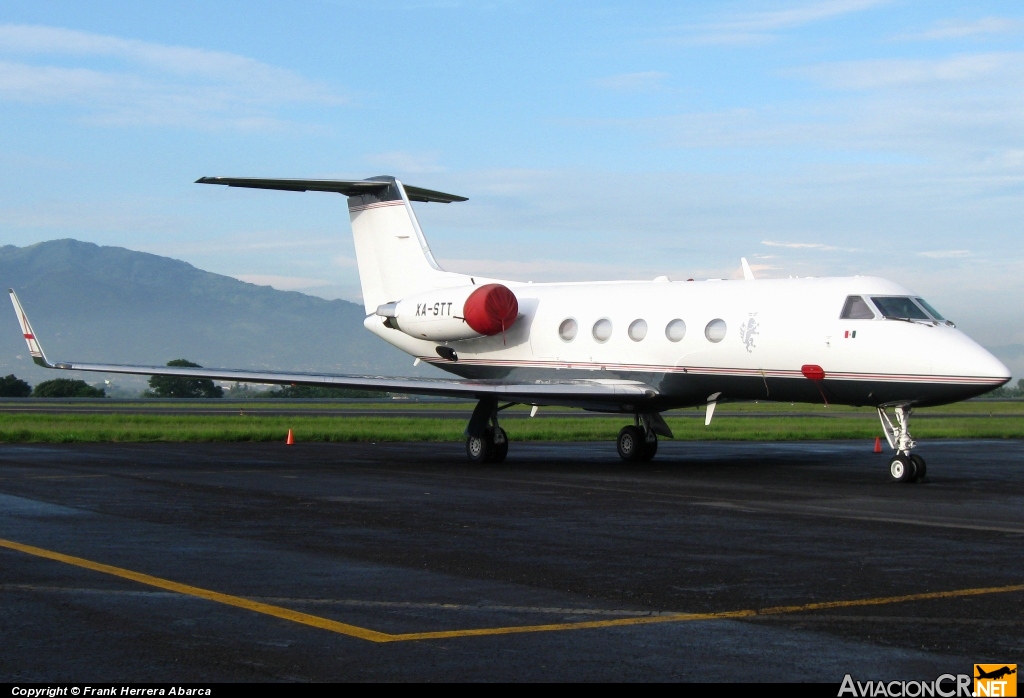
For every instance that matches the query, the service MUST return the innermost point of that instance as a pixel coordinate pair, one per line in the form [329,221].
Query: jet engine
[451,314]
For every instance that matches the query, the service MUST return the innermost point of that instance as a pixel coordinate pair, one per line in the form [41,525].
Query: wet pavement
[562,546]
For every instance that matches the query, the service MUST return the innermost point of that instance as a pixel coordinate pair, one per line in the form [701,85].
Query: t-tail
[392,254]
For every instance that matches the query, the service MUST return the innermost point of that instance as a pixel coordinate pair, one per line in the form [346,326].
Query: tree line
[1009,390]
[170,387]
[12,386]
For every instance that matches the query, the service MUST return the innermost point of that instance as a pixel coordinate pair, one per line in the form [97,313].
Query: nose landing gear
[904,466]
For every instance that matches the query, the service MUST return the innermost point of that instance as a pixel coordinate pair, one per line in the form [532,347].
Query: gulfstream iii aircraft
[637,348]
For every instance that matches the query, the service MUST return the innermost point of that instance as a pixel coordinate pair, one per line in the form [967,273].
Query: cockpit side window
[856,308]
[931,311]
[899,307]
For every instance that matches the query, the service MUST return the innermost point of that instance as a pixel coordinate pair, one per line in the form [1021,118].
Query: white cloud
[961,112]
[633,82]
[282,283]
[958,29]
[538,269]
[873,74]
[152,84]
[400,161]
[557,270]
[945,254]
[237,244]
[800,245]
[757,27]
[799,15]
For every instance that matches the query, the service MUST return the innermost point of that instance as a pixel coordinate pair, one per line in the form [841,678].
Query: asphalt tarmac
[716,562]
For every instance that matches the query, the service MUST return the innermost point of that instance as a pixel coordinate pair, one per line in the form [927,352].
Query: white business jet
[633,347]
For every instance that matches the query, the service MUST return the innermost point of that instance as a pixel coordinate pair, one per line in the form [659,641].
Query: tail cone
[290,441]
[878,444]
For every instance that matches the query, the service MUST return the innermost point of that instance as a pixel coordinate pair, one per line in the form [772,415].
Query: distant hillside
[110,304]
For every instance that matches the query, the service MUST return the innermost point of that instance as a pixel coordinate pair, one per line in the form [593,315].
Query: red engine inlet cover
[491,309]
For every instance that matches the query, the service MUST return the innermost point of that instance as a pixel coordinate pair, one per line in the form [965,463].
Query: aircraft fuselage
[744,339]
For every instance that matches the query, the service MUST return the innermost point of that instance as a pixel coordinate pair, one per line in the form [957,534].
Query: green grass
[70,427]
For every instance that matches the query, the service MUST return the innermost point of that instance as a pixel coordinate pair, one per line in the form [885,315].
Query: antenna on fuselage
[748,275]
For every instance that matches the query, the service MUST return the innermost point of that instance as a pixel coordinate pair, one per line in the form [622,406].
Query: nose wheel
[910,468]
[904,466]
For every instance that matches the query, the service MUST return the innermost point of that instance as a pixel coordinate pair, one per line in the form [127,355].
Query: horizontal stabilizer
[348,187]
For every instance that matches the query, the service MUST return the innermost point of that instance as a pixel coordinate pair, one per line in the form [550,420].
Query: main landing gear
[639,442]
[904,466]
[486,442]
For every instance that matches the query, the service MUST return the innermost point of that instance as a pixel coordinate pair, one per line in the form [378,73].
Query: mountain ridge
[94,303]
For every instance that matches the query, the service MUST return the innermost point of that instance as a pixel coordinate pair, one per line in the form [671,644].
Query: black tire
[920,467]
[650,449]
[902,469]
[630,444]
[480,448]
[499,446]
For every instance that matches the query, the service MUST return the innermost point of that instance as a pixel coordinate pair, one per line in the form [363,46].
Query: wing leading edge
[580,393]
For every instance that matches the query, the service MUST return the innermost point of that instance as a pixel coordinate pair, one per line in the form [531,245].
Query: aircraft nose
[988,366]
[962,360]
[975,361]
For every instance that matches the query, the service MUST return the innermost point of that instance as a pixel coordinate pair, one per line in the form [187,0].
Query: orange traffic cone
[878,443]
[290,441]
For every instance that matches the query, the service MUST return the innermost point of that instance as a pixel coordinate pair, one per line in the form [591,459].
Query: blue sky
[594,140]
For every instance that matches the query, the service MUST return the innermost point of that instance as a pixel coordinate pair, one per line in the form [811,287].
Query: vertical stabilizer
[393,256]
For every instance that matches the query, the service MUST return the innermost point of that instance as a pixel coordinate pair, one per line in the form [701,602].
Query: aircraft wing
[576,392]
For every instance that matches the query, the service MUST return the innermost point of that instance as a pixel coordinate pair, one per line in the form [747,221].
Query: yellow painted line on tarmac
[374,636]
[884,600]
[680,617]
[227,599]
[583,625]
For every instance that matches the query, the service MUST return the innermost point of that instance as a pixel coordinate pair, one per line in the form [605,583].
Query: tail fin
[393,257]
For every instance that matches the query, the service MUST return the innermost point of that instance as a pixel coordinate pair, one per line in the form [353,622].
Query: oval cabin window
[567,330]
[603,330]
[675,330]
[715,331]
[637,330]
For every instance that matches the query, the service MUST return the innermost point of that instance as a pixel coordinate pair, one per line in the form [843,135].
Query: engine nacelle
[451,314]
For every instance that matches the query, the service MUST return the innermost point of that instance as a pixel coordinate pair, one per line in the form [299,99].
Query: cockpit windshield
[931,311]
[856,308]
[899,308]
